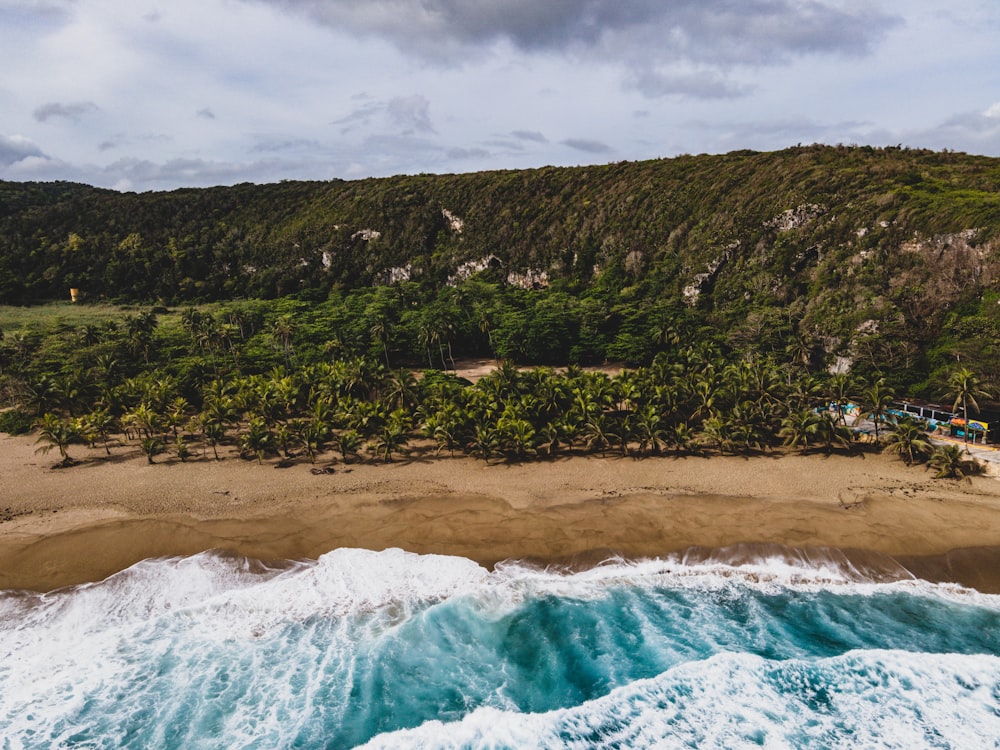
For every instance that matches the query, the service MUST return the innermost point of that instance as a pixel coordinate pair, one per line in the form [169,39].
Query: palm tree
[485,443]
[838,391]
[683,438]
[381,330]
[212,427]
[965,387]
[283,330]
[284,437]
[951,462]
[401,392]
[258,439]
[650,430]
[181,448]
[446,426]
[799,428]
[99,425]
[517,436]
[139,332]
[41,393]
[831,433]
[151,446]
[313,434]
[875,402]
[392,438]
[59,433]
[909,440]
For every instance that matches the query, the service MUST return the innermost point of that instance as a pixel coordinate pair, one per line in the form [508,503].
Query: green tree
[909,440]
[56,432]
[393,437]
[875,402]
[258,439]
[964,388]
[151,446]
[348,443]
[99,425]
[951,462]
[800,428]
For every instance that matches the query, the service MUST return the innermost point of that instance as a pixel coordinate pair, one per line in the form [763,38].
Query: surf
[395,649]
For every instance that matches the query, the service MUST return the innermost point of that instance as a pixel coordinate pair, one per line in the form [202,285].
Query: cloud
[779,133]
[587,146]
[403,115]
[464,154]
[34,14]
[72,111]
[529,135]
[715,31]
[205,114]
[278,144]
[701,85]
[411,114]
[16,148]
[975,132]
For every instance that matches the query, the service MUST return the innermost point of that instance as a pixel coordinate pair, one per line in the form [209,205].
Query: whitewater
[396,650]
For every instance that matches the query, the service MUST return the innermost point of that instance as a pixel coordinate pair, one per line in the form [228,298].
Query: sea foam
[398,649]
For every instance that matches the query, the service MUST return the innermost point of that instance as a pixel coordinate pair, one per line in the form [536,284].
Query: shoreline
[62,527]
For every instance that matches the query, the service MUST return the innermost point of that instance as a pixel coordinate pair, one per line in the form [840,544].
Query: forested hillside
[873,259]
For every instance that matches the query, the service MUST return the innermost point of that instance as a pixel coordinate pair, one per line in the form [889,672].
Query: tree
[314,434]
[800,428]
[258,439]
[517,436]
[650,430]
[57,432]
[181,448]
[909,441]
[139,333]
[392,438]
[875,402]
[213,429]
[98,425]
[40,394]
[283,330]
[381,331]
[348,442]
[832,433]
[950,462]
[838,390]
[964,387]
[151,446]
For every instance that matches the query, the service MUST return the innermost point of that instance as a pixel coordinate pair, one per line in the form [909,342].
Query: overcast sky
[157,94]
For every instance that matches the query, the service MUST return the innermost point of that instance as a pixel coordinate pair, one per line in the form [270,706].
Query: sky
[160,94]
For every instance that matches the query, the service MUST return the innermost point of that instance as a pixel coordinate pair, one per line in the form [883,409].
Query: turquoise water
[397,650]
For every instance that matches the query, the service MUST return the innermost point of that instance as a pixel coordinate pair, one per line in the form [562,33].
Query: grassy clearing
[52,316]
[58,314]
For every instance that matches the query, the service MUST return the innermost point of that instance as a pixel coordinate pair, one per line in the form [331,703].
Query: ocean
[397,650]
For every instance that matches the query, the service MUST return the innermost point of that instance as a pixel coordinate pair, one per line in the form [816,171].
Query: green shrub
[15,422]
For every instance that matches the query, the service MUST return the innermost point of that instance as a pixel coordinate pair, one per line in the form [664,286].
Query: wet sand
[67,526]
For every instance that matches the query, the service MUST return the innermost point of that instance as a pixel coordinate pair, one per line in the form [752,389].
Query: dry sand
[66,526]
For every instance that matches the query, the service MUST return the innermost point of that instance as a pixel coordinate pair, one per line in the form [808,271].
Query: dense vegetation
[886,257]
[735,284]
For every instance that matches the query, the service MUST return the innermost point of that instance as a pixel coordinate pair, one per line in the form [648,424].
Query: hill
[883,258]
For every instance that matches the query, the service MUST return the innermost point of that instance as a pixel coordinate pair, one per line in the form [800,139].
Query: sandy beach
[72,525]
